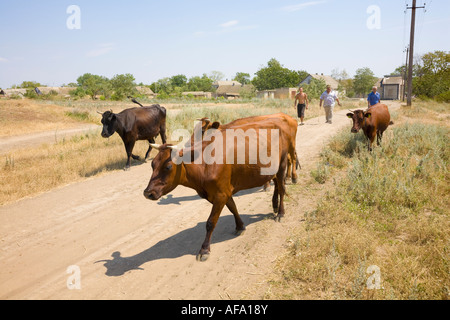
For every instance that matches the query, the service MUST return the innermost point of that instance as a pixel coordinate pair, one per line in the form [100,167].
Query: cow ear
[350,115]
[368,115]
[205,123]
[215,125]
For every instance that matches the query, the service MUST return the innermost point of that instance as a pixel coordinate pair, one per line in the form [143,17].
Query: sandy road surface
[23,141]
[127,247]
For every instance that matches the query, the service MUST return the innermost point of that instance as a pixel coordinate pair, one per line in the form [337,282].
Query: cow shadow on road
[170,199]
[186,242]
[112,166]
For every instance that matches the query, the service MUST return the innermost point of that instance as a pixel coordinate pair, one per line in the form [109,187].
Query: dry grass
[28,172]
[33,170]
[388,208]
[19,117]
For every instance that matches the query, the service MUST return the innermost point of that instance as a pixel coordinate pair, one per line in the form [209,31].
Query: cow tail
[391,123]
[137,102]
[297,162]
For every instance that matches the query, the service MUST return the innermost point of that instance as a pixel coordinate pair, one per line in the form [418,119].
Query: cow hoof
[275,210]
[126,169]
[202,257]
[239,232]
[294,180]
[278,218]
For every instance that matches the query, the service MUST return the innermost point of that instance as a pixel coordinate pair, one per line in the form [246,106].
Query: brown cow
[374,121]
[218,182]
[293,162]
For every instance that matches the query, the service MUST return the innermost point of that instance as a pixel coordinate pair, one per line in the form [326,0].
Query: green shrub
[78,93]
[443,97]
[321,174]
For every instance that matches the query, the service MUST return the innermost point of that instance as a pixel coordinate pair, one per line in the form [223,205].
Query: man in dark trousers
[302,103]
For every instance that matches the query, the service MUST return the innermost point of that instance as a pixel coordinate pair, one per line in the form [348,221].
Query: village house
[231,89]
[280,93]
[329,80]
[221,83]
[197,94]
[391,87]
[146,91]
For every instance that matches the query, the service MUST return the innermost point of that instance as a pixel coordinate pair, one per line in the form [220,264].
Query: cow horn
[201,119]
[155,146]
[173,147]
[99,112]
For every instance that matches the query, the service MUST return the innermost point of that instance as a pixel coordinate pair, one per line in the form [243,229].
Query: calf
[373,121]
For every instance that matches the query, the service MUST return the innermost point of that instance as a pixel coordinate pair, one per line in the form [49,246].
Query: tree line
[431,80]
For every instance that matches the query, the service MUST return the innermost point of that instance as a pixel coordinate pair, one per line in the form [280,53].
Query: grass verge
[383,230]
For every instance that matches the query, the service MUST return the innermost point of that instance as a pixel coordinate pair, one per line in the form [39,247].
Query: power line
[411,50]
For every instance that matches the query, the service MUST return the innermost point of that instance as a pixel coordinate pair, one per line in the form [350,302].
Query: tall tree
[162,86]
[94,85]
[363,81]
[179,80]
[433,77]
[123,85]
[216,76]
[315,88]
[203,83]
[275,75]
[242,77]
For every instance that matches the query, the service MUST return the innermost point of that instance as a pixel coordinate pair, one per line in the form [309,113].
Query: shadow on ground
[186,242]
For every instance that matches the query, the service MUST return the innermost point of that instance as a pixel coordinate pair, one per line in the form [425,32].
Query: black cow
[144,123]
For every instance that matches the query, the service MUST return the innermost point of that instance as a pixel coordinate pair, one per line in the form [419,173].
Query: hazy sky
[155,39]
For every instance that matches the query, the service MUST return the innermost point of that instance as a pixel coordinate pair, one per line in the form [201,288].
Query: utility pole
[411,51]
[405,74]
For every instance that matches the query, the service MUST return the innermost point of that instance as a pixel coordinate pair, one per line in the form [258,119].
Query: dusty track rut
[128,247]
[18,142]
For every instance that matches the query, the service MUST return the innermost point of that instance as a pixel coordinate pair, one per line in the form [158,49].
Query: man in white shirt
[328,99]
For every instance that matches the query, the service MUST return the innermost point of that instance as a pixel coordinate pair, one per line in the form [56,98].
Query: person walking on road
[373,98]
[328,99]
[302,103]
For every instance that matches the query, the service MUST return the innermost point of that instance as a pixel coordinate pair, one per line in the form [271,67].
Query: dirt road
[23,141]
[127,247]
